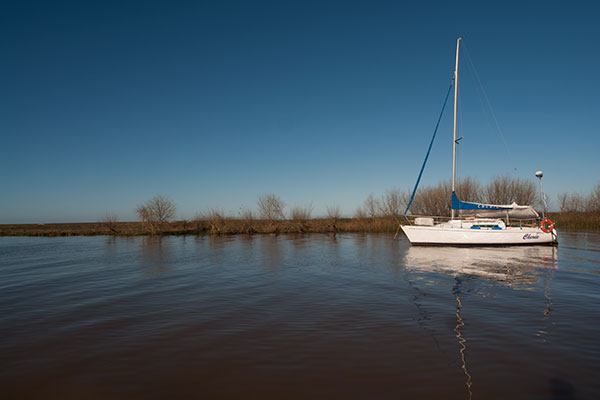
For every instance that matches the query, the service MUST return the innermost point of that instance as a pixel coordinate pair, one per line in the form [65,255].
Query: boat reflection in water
[516,267]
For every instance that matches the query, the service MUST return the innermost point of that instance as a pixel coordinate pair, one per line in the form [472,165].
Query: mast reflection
[462,341]
[519,268]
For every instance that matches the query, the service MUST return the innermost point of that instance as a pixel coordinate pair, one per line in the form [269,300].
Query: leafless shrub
[469,189]
[593,200]
[575,202]
[145,215]
[433,200]
[270,207]
[200,221]
[506,190]
[156,211]
[372,206]
[216,220]
[247,215]
[110,220]
[334,212]
[301,213]
[524,192]
[393,203]
[360,213]
[436,200]
[563,202]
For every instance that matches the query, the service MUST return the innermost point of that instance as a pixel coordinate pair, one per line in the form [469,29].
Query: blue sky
[106,104]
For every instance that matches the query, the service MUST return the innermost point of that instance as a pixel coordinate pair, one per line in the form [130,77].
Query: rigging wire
[412,197]
[481,90]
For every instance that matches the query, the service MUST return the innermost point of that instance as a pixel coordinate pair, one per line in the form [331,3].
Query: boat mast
[454,140]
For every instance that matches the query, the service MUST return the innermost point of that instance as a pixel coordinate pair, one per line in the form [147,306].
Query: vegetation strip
[376,214]
[574,221]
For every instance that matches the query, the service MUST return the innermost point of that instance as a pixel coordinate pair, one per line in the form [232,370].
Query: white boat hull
[439,235]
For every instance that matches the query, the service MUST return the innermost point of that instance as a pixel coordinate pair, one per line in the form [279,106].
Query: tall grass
[576,220]
[301,213]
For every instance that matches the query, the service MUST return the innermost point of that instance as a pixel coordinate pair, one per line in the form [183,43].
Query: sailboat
[477,223]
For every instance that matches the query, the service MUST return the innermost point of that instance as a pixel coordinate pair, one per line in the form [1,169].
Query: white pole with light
[539,175]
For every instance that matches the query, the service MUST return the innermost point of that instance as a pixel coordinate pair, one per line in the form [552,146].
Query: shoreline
[223,226]
[577,221]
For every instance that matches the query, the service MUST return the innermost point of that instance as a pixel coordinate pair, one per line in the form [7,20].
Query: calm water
[297,317]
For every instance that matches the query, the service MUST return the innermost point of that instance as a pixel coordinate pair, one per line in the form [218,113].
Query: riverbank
[204,227]
[574,221]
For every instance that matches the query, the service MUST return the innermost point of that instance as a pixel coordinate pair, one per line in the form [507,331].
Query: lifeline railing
[512,222]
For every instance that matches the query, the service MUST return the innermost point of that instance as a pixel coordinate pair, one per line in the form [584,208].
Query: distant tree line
[436,200]
[429,200]
[577,203]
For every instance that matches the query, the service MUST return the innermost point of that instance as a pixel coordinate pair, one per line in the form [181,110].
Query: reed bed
[212,225]
[216,224]
[576,221]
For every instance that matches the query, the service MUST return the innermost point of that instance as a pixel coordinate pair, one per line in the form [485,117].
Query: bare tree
[334,212]
[593,200]
[110,220]
[576,202]
[162,208]
[437,200]
[506,190]
[270,207]
[156,211]
[563,202]
[371,206]
[360,213]
[571,202]
[392,203]
[469,189]
[434,200]
[524,192]
[145,215]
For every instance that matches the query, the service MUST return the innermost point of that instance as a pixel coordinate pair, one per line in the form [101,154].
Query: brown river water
[297,317]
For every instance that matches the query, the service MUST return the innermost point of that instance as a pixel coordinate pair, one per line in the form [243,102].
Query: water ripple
[296,316]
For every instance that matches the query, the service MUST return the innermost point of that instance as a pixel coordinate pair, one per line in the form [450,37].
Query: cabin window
[480,226]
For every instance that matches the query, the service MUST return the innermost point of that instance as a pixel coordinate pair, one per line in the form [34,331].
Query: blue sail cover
[514,210]
[465,205]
